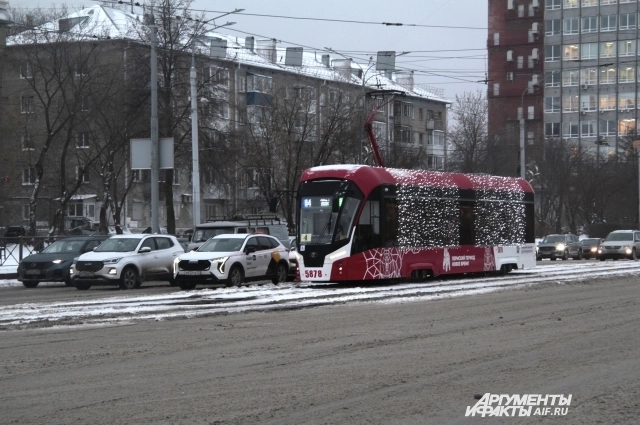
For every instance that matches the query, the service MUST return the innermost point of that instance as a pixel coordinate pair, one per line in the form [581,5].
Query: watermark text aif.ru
[520,405]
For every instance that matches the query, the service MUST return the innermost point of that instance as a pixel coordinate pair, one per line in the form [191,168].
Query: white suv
[232,259]
[126,261]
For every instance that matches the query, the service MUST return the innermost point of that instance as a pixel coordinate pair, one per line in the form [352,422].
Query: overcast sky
[451,59]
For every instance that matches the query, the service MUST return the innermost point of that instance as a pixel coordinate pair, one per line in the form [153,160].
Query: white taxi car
[126,261]
[233,259]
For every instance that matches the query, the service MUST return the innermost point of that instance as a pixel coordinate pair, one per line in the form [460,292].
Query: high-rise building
[576,80]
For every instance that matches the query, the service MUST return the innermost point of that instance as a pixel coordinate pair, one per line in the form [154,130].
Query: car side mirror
[144,249]
[250,249]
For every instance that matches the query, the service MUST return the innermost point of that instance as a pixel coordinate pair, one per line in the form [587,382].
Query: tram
[368,223]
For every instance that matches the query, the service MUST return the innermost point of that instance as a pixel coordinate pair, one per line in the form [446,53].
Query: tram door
[467,224]
[390,224]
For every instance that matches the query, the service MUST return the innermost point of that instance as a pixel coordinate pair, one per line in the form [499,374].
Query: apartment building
[239,80]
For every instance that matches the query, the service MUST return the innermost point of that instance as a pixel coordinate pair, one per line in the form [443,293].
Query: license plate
[33,271]
[191,273]
[86,274]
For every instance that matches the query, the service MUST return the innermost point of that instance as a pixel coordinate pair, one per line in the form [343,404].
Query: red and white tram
[360,223]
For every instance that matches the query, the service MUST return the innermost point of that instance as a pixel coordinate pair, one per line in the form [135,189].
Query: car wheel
[282,272]
[538,258]
[172,282]
[579,257]
[565,256]
[30,283]
[602,258]
[129,278]
[236,276]
[186,286]
[634,254]
[82,286]
[67,281]
[553,258]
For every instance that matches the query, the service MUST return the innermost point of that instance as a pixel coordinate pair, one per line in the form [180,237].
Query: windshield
[590,241]
[202,235]
[118,245]
[554,239]
[620,237]
[63,247]
[222,245]
[320,225]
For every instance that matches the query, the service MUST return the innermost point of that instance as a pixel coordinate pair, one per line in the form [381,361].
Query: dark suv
[559,246]
[13,233]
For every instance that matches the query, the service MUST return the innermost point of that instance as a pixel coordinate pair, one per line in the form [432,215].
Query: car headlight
[220,262]
[112,260]
[57,261]
[594,249]
[560,247]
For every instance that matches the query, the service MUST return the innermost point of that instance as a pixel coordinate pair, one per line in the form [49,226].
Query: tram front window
[320,225]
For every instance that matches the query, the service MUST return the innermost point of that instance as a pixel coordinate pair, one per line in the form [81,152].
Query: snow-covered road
[129,306]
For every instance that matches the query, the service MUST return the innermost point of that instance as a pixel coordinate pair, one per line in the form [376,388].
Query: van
[258,224]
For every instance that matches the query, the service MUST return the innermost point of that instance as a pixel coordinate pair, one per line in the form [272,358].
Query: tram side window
[500,223]
[429,222]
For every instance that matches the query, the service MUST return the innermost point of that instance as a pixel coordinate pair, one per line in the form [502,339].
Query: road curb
[8,275]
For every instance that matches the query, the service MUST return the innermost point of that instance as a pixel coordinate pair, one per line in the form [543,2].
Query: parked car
[127,261]
[233,259]
[559,246]
[13,233]
[620,244]
[52,264]
[590,247]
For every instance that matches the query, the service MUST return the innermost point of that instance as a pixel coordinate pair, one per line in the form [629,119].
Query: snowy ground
[132,305]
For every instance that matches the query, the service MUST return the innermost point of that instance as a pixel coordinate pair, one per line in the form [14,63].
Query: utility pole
[195,179]
[155,151]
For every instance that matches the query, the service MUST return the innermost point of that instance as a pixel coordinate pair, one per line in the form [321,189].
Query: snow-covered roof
[103,22]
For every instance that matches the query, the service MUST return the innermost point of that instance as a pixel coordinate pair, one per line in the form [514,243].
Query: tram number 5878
[310,274]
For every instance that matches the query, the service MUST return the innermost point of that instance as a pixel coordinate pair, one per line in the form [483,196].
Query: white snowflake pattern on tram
[383,263]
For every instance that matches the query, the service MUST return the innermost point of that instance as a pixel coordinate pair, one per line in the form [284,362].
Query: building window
[421,114]
[176,175]
[606,2]
[589,51]
[521,11]
[27,105]
[379,130]
[82,140]
[530,112]
[26,71]
[552,52]
[570,26]
[590,24]
[520,62]
[75,209]
[552,4]
[570,77]
[608,49]
[626,126]
[627,74]
[82,174]
[607,127]
[608,22]
[589,76]
[552,27]
[608,75]
[27,142]
[571,52]
[570,103]
[627,100]
[627,48]
[496,89]
[627,21]
[510,76]
[551,104]
[552,129]
[607,102]
[588,102]
[26,212]
[588,128]
[570,4]
[402,134]
[570,129]
[210,211]
[588,3]
[552,79]
[496,38]
[28,176]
